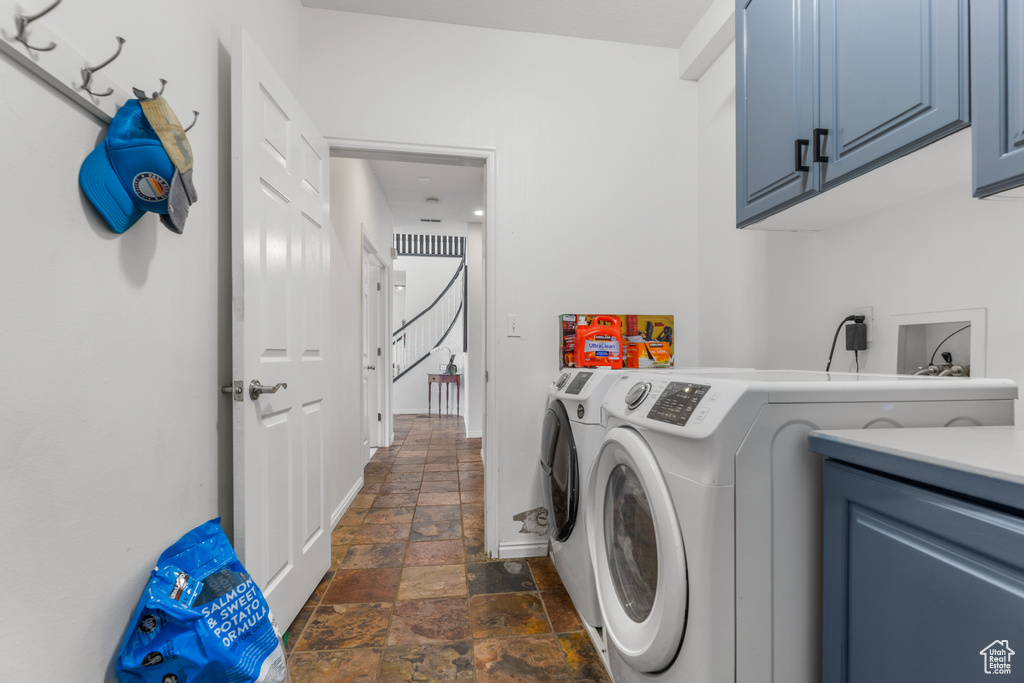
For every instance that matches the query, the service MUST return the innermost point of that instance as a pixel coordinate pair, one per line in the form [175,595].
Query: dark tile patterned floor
[412,596]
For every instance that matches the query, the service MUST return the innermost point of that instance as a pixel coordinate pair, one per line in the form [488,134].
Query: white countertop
[970,460]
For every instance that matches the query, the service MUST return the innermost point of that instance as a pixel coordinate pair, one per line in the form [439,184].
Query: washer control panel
[678,403]
[578,382]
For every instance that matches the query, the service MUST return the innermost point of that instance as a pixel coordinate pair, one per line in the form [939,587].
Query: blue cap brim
[101,185]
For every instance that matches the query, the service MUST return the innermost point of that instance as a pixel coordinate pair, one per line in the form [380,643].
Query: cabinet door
[774,105]
[997,95]
[917,583]
[893,78]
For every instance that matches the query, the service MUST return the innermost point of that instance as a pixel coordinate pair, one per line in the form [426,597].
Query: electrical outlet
[869,319]
[514,325]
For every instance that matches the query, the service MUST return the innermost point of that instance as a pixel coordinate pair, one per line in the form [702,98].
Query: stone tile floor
[412,596]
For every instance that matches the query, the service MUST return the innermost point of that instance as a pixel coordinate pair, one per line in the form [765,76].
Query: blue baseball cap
[129,173]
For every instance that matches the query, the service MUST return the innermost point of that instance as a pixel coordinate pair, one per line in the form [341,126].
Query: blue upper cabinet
[829,89]
[893,78]
[775,105]
[997,95]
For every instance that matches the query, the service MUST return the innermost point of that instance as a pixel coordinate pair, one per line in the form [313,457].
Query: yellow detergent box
[647,354]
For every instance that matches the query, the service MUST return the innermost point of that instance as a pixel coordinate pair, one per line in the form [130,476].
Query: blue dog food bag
[202,619]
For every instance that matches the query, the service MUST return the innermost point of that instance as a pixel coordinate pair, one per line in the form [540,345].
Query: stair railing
[413,342]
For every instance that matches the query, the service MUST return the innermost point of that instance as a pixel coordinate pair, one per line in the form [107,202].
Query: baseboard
[475,435]
[345,502]
[508,549]
[423,411]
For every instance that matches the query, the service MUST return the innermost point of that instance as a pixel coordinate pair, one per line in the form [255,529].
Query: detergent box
[568,338]
[643,354]
[653,335]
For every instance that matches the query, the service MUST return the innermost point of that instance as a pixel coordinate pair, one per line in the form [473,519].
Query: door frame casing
[489,157]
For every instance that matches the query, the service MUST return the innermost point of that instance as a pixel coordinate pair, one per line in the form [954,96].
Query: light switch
[514,325]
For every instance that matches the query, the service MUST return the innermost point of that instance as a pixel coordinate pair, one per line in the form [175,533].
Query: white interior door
[280,276]
[367,426]
[373,358]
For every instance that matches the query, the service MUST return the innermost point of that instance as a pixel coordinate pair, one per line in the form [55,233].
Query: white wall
[357,204]
[115,437]
[595,144]
[774,300]
[398,307]
[736,271]
[425,278]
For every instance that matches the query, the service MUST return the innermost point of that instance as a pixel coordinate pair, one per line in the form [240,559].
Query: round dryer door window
[560,467]
[633,565]
[637,547]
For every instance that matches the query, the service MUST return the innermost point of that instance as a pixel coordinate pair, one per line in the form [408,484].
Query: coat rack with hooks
[43,53]
[32,44]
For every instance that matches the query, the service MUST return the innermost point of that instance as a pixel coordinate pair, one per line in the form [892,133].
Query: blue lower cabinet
[919,584]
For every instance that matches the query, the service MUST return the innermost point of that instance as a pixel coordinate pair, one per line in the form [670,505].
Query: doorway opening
[422,185]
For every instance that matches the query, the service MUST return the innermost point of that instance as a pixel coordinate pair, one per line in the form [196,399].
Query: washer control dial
[636,395]
[562,379]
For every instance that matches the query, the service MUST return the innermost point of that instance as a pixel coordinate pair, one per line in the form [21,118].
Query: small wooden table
[447,381]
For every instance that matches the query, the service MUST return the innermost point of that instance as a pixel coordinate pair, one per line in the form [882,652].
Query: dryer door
[561,472]
[638,555]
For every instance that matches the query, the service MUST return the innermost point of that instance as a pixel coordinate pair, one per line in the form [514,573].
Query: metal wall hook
[88,71]
[21,22]
[141,94]
[195,117]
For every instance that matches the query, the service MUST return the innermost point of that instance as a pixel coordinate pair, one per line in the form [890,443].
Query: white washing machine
[704,512]
[570,438]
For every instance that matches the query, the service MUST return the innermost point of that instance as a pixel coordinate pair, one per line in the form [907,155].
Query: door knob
[371,367]
[256,389]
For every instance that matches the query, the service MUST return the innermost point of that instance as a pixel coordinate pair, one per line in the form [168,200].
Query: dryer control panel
[578,382]
[678,403]
[687,405]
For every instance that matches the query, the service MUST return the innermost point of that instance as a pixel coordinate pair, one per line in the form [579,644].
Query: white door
[280,271]
[373,357]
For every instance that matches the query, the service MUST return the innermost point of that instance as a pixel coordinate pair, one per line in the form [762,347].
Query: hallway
[411,594]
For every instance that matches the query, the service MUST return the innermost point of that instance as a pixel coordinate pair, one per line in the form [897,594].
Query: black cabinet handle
[801,147]
[819,133]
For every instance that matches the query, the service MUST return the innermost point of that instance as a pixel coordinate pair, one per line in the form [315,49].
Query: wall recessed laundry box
[923,554]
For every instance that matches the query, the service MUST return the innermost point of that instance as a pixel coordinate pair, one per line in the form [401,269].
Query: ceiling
[657,23]
[459,190]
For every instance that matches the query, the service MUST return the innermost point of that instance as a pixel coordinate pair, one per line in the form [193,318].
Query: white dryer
[704,512]
[570,438]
